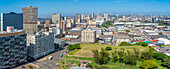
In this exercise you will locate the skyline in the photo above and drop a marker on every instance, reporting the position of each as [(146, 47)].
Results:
[(71, 7)]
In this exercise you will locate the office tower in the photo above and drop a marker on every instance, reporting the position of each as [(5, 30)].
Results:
[(106, 16), (40, 44), (65, 18), (154, 20), (88, 36), (56, 18), (56, 30), (62, 26), (30, 16), (83, 16), (13, 50), (11, 19), (98, 14), (88, 16), (92, 15), (78, 17)]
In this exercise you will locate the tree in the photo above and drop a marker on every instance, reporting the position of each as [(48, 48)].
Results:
[(149, 64), (166, 63), (147, 55), (130, 58), (101, 57), (136, 52), (127, 31), (115, 56), (159, 56), (75, 46), (30, 66), (104, 56), (124, 44), (108, 48), (96, 55), (142, 44)]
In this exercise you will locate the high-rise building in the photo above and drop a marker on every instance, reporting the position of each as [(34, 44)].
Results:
[(98, 14), (56, 18), (78, 17), (88, 36), (106, 16), (62, 26), (88, 16), (92, 15), (40, 44), (83, 16), (11, 19), (13, 50), (30, 16), (154, 20)]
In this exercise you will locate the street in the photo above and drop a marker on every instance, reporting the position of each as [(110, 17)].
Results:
[(50, 64)]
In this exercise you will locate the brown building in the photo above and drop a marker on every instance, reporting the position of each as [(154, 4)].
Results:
[(62, 26), (48, 21), (30, 16)]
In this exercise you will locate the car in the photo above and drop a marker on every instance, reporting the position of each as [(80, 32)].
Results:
[(167, 49), (50, 57)]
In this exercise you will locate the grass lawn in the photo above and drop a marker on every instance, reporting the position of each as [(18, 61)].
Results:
[(86, 49), (85, 53), (74, 51)]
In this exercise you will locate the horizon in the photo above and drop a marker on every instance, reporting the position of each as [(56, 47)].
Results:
[(71, 7)]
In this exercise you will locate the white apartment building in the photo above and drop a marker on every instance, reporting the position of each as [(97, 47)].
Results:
[(40, 44)]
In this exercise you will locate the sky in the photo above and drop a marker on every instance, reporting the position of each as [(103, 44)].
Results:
[(71, 7)]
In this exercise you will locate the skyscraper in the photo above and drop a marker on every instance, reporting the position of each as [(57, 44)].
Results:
[(11, 19), (82, 16), (62, 26), (56, 18), (98, 14), (106, 16), (92, 15), (30, 16), (78, 17)]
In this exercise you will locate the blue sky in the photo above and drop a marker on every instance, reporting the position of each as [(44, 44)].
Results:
[(71, 7)]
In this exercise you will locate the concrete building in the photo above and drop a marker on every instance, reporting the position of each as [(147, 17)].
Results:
[(30, 16), (11, 19), (88, 36), (56, 18), (98, 14), (56, 30), (106, 16), (83, 16), (59, 43), (62, 26), (40, 44), (76, 31), (92, 15), (100, 21), (13, 50), (48, 21), (78, 17)]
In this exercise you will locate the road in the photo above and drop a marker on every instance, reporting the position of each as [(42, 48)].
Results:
[(115, 36), (143, 35), (50, 64)]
